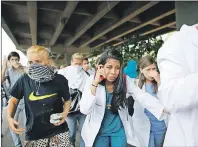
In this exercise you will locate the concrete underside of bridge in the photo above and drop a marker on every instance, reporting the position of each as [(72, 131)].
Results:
[(67, 27)]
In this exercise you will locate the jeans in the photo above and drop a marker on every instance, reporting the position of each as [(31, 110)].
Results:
[(72, 120), (110, 141), (1, 113), (157, 131), (20, 109), (156, 138)]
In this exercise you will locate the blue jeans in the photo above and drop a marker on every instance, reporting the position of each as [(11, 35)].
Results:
[(1, 113), (157, 131), (110, 141), (20, 109), (156, 138), (72, 120)]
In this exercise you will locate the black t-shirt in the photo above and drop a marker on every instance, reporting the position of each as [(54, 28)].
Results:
[(40, 105)]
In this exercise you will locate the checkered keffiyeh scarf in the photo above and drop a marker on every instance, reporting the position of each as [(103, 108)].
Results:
[(41, 73)]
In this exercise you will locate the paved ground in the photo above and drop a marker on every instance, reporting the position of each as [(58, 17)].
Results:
[(6, 140)]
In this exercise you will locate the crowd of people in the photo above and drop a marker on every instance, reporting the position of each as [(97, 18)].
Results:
[(110, 105)]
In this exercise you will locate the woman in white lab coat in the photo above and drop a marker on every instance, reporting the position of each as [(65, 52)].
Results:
[(149, 80), (178, 65), (104, 103)]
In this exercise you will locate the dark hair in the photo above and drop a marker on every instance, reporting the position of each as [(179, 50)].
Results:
[(13, 54), (85, 59), (119, 89)]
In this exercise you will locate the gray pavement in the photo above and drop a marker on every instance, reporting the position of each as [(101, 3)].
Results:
[(6, 140)]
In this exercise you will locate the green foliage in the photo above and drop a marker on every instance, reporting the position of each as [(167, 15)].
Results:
[(92, 63), (135, 47)]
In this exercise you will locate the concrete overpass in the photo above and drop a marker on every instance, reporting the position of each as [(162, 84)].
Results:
[(77, 26)]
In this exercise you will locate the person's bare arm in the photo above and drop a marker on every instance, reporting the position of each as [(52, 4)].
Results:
[(12, 104), (13, 124), (66, 108), (100, 72), (67, 105), (3, 72)]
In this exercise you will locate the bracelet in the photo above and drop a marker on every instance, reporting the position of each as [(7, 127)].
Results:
[(94, 85)]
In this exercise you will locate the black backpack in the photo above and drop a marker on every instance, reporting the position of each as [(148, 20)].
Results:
[(75, 99), (130, 102)]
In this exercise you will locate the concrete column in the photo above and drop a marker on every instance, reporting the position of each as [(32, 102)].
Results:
[(186, 13), (68, 58)]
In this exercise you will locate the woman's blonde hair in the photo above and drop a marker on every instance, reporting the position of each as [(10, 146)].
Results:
[(144, 62), (38, 49), (43, 52)]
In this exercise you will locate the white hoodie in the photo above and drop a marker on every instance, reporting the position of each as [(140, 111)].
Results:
[(178, 64), (75, 75)]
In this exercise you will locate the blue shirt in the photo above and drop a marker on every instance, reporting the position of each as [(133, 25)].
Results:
[(111, 124), (156, 125)]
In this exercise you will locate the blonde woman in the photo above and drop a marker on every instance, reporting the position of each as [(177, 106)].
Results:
[(44, 91)]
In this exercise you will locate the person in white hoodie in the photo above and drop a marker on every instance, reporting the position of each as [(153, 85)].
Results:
[(104, 103), (178, 64), (76, 77)]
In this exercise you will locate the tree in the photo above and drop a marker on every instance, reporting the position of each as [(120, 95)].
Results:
[(134, 47)]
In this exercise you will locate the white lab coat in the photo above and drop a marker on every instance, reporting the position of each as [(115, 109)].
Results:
[(141, 122), (94, 108), (178, 64)]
